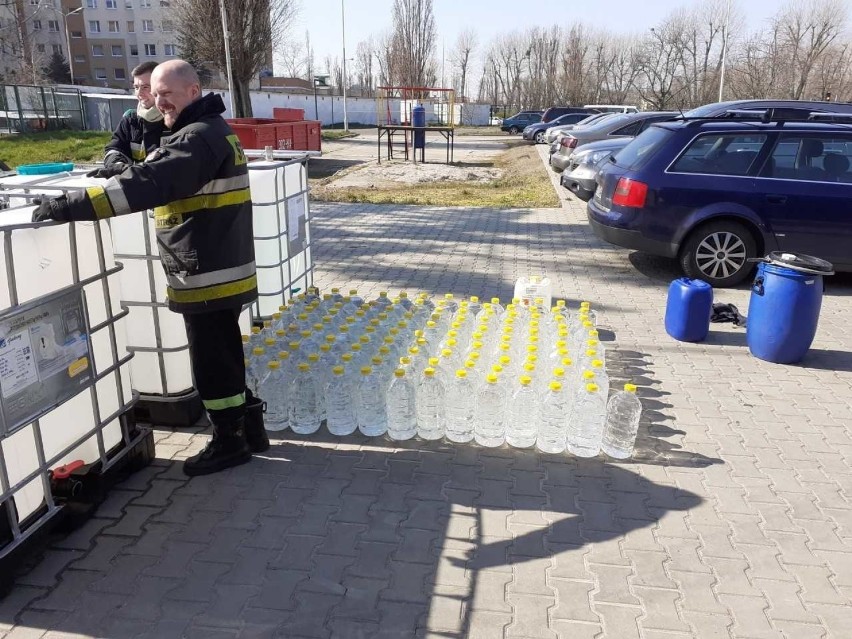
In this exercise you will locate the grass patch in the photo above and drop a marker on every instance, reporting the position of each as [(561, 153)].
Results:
[(524, 184), (337, 134), (479, 130), (53, 146)]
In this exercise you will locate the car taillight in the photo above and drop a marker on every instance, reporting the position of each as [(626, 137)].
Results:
[(630, 193)]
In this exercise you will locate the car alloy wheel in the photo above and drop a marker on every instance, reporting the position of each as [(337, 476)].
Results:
[(514, 130), (539, 137), (719, 253)]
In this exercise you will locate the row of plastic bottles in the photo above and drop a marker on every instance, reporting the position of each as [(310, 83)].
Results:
[(514, 361)]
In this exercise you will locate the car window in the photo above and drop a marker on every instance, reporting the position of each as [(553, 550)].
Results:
[(812, 157), (631, 129), (720, 154), (641, 148)]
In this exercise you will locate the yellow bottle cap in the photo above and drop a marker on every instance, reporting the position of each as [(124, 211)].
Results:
[(559, 372), (525, 380), (461, 373), (255, 330), (399, 373), (376, 360), (245, 338), (495, 300), (497, 368), (588, 375), (346, 357), (433, 361), (366, 370), (313, 358), (592, 388), (505, 360), (491, 378), (273, 365), (555, 386), (429, 372), (269, 341), (630, 388), (283, 355), (303, 367)]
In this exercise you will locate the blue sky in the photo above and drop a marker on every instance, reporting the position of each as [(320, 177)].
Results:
[(492, 17)]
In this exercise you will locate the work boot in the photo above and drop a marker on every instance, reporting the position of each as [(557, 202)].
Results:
[(227, 448), (256, 436)]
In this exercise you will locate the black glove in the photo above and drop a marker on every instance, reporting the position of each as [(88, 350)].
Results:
[(108, 171), (52, 210)]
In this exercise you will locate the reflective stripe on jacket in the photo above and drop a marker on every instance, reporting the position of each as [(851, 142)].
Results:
[(197, 183)]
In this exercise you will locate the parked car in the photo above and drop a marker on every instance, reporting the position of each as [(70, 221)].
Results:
[(619, 125), (579, 176), (536, 132), (612, 108), (555, 133), (520, 121), (786, 109), (554, 112), (716, 193)]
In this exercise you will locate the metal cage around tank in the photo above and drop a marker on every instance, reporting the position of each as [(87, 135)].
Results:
[(44, 266), (160, 370)]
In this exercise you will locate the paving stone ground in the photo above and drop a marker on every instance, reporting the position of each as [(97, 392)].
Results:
[(733, 520)]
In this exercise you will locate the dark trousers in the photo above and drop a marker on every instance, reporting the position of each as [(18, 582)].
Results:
[(216, 354)]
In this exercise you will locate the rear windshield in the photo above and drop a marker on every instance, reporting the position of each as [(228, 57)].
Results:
[(635, 154)]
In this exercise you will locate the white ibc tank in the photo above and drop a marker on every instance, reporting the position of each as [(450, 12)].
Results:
[(282, 232), (38, 261)]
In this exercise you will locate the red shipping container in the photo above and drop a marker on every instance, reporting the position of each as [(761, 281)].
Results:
[(255, 133), (314, 135), (286, 114), (300, 136), (284, 137)]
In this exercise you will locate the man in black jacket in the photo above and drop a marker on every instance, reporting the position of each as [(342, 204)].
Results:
[(139, 132), (197, 183)]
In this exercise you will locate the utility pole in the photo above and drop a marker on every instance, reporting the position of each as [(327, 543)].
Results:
[(724, 50), (343, 30), (227, 35)]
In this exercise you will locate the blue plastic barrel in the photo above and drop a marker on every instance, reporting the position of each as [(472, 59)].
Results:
[(688, 309), (418, 119), (783, 311)]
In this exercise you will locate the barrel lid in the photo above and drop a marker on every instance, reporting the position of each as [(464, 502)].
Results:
[(800, 262)]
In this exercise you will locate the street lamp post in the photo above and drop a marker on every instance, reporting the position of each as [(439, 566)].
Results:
[(724, 50), (343, 31), (68, 40), (226, 35)]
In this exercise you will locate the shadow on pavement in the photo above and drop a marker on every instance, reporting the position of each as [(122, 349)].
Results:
[(827, 360)]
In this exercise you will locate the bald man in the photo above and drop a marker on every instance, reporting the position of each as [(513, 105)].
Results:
[(197, 183)]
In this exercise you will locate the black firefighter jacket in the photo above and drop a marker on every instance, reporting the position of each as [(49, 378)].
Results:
[(132, 140), (198, 185)]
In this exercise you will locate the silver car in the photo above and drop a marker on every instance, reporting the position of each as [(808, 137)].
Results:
[(619, 125), (554, 131)]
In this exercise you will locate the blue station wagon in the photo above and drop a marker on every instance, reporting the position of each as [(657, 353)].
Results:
[(716, 193)]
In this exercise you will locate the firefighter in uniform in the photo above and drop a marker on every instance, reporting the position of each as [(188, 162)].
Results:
[(139, 132), (197, 183)]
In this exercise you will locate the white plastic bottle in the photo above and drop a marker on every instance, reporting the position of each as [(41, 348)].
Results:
[(431, 406), (586, 422), (460, 408), (523, 418), (273, 390), (401, 407), (370, 404), (304, 402), (340, 401), (256, 369), (552, 420), (489, 427), (624, 410)]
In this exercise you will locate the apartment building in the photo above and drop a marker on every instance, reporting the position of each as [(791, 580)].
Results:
[(105, 38), (121, 34), (30, 32)]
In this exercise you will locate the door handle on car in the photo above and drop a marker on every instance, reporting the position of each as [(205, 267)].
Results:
[(776, 199)]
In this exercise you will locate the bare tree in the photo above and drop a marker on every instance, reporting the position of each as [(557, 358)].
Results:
[(413, 42), (660, 79), (253, 25), (461, 57), (808, 30), (364, 55)]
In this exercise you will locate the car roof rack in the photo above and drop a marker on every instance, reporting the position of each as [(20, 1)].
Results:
[(779, 115)]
